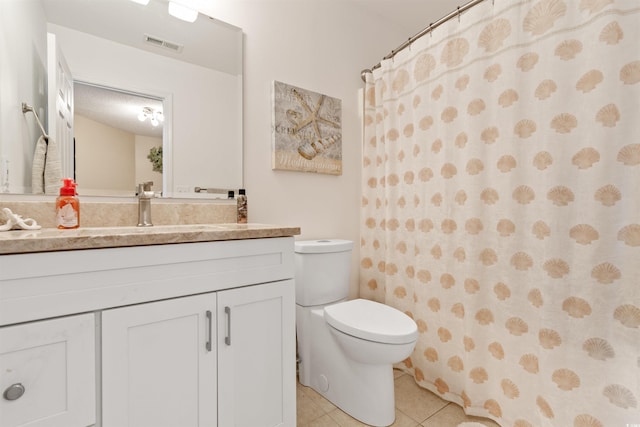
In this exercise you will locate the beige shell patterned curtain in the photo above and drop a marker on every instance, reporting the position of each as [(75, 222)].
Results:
[(501, 209)]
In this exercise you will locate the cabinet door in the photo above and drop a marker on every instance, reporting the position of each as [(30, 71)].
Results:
[(47, 373), (256, 356), (159, 364)]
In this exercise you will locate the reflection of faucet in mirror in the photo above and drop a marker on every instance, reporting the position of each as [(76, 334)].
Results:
[(144, 204)]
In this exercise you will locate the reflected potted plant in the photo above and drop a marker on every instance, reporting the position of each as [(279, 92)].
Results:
[(155, 156)]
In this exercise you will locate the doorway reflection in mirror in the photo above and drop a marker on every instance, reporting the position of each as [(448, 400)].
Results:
[(112, 144)]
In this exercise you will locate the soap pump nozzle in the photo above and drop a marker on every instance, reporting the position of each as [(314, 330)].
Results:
[(68, 187)]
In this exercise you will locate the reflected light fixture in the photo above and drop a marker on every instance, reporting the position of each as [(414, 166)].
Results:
[(155, 117), (182, 12), (142, 2)]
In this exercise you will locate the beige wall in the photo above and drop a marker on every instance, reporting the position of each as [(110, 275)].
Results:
[(319, 45), (112, 159), (107, 154)]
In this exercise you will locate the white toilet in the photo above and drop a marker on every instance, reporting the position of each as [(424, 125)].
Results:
[(346, 348)]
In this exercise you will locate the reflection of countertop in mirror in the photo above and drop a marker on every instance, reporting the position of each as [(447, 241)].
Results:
[(52, 239)]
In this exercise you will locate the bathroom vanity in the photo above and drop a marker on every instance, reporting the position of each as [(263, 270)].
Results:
[(159, 326)]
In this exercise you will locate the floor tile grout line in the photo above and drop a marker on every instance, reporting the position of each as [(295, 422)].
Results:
[(436, 413)]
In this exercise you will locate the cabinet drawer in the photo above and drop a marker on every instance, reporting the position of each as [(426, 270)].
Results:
[(66, 283), (47, 373)]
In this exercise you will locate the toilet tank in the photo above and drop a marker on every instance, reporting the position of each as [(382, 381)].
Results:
[(322, 271)]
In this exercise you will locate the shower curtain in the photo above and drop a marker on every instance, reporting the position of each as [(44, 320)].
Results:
[(501, 209)]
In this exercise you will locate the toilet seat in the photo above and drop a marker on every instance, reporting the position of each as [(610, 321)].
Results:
[(372, 321)]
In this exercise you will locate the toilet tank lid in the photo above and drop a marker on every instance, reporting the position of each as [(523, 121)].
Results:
[(323, 246)]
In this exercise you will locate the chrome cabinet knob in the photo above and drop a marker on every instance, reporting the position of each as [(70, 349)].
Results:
[(14, 392)]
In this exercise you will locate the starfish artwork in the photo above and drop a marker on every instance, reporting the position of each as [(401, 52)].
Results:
[(307, 130)]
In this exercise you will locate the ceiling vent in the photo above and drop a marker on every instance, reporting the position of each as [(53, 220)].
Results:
[(156, 41)]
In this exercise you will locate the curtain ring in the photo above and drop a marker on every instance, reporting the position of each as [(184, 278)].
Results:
[(458, 14), (430, 30)]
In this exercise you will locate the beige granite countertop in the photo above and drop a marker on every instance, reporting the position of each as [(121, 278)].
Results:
[(53, 239)]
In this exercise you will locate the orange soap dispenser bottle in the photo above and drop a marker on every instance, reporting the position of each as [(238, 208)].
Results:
[(68, 206)]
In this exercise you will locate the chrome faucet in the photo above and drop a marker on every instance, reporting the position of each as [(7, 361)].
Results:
[(144, 204)]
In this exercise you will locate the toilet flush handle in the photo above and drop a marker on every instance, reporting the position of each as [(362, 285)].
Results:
[(227, 338)]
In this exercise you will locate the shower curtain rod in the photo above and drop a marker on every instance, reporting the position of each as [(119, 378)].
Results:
[(427, 30)]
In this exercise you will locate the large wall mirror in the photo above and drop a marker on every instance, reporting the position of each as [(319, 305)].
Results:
[(155, 98)]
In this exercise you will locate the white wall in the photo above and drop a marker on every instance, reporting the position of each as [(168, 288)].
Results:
[(23, 52), (319, 45)]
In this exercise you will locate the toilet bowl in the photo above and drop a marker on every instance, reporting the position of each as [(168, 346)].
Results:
[(346, 348), (369, 332)]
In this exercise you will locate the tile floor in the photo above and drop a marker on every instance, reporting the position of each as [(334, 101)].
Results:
[(415, 407)]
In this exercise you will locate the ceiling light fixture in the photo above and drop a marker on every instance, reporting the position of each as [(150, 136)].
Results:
[(155, 117), (142, 2), (182, 12)]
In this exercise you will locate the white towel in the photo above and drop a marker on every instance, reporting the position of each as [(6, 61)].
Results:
[(37, 168), (46, 171), (52, 168)]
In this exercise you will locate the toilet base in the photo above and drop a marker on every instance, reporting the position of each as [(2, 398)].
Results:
[(364, 391)]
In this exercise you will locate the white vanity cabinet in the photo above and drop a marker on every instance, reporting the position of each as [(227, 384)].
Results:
[(158, 365), (255, 350), (186, 334)]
